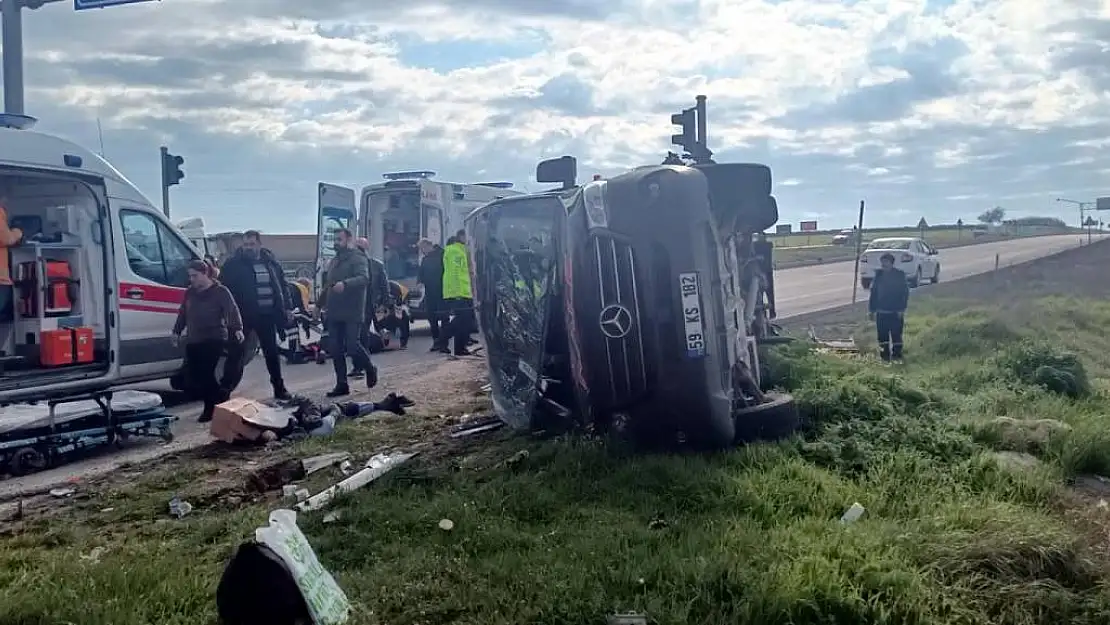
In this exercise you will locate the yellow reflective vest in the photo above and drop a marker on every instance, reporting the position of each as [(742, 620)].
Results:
[(456, 273)]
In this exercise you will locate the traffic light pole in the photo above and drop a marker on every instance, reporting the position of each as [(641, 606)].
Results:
[(11, 44), (165, 183)]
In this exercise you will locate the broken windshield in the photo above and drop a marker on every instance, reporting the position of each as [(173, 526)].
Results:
[(515, 254)]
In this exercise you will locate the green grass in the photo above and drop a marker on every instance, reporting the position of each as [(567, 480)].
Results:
[(576, 531)]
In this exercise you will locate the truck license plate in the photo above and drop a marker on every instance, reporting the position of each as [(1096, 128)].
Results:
[(690, 287)]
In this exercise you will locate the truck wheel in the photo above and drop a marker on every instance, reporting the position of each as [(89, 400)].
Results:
[(915, 281), (936, 275), (774, 419), (865, 283)]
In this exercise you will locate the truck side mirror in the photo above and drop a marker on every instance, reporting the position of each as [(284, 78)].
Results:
[(562, 170)]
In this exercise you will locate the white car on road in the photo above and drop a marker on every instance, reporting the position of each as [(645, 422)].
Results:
[(915, 257)]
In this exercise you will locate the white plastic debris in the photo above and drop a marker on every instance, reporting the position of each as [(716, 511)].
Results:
[(853, 514), (446, 525), (62, 492), (180, 508), (376, 467)]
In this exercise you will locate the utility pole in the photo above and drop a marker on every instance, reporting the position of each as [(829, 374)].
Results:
[(11, 12), (11, 46), (1083, 208)]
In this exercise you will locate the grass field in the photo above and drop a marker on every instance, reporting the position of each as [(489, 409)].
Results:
[(570, 531)]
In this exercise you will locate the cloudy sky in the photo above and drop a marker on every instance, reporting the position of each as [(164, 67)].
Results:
[(935, 108)]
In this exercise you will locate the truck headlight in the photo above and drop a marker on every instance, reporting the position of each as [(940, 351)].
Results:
[(593, 195)]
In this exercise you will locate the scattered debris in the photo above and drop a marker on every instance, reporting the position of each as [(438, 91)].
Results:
[(847, 346), (318, 463), (470, 429), (658, 523), (332, 517), (446, 525), (853, 514), (277, 578), (629, 618), (277, 475), (376, 467), (346, 468), (301, 494), (106, 510), (179, 508), (62, 493)]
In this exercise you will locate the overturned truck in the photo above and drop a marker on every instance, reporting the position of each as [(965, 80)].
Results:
[(632, 306)]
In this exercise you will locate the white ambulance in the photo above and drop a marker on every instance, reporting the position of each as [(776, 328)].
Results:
[(98, 275), (411, 205)]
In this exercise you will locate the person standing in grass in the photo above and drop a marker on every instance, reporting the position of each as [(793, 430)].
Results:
[(890, 296)]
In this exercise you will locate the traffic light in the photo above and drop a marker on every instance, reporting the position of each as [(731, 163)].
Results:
[(171, 169), (688, 138), (692, 138)]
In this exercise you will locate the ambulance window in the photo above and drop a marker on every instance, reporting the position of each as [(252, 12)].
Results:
[(154, 251)]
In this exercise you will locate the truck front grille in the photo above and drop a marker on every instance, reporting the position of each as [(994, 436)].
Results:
[(620, 320)]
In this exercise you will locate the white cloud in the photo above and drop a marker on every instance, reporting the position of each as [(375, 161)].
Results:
[(935, 107)]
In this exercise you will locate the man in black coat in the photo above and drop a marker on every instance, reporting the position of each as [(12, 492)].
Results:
[(431, 276), (890, 296), (257, 283)]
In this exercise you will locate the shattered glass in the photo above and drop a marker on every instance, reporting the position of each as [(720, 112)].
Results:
[(514, 252)]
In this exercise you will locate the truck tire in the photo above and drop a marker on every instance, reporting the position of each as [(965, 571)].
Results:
[(774, 419), (915, 281), (936, 275)]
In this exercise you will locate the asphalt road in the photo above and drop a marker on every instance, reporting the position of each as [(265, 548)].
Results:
[(818, 287), (799, 291)]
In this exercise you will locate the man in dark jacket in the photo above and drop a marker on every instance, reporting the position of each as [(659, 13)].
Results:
[(890, 296), (257, 283), (344, 300), (377, 295), (431, 276)]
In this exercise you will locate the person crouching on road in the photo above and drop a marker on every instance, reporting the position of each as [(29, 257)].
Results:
[(344, 301), (394, 316), (890, 296), (209, 317)]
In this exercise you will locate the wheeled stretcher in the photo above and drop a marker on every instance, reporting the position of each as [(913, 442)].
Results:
[(38, 436)]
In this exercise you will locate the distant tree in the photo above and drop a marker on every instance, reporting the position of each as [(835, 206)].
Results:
[(1044, 222), (993, 216)]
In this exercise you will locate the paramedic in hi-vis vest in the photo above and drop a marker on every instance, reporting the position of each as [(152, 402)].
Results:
[(457, 296), (9, 237)]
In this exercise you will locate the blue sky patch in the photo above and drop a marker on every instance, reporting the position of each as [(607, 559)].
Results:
[(448, 56)]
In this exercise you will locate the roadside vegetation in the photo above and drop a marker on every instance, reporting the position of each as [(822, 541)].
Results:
[(973, 461)]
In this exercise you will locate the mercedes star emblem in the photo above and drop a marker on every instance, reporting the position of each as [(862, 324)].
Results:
[(616, 321)]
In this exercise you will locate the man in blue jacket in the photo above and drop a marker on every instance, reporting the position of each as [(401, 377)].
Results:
[(890, 296)]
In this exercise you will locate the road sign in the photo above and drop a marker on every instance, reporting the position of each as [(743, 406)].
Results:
[(808, 226), (1102, 204), (82, 5), (784, 229), (921, 225)]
